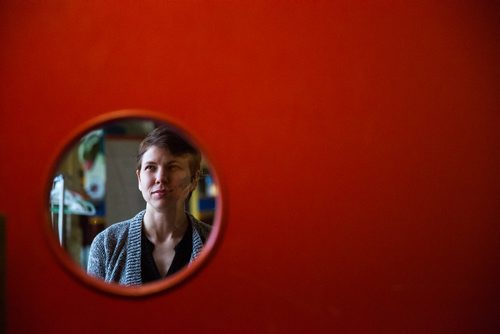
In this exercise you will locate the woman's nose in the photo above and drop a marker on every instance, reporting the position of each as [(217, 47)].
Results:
[(161, 176)]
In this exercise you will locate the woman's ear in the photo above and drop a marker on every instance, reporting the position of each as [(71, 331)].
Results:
[(195, 179)]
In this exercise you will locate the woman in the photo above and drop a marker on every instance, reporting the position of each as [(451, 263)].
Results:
[(164, 238)]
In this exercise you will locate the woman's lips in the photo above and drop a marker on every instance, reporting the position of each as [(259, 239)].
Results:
[(159, 193)]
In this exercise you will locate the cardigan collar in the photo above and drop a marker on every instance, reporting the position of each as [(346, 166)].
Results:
[(133, 265)]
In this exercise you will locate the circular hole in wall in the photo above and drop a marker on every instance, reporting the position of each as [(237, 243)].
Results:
[(134, 204)]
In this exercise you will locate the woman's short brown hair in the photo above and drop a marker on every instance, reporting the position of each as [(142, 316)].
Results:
[(167, 139)]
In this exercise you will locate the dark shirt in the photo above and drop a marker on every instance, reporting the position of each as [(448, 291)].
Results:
[(183, 251)]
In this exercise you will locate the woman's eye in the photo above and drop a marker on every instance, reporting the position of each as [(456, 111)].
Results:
[(149, 168)]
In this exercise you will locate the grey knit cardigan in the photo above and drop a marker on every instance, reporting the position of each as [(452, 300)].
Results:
[(115, 253)]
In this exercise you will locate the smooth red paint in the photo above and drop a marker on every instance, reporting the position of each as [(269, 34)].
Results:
[(357, 143)]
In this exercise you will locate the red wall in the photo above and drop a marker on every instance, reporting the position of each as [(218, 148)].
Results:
[(357, 144)]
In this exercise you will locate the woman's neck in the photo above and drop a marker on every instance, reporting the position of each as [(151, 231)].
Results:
[(162, 225)]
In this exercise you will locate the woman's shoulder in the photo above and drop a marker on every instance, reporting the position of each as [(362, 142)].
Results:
[(121, 229), (202, 228)]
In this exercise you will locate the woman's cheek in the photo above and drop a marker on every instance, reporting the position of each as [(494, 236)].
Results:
[(186, 182)]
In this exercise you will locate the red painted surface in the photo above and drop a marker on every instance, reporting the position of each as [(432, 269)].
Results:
[(357, 143)]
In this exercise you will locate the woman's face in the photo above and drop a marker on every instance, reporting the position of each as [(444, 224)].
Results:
[(165, 180)]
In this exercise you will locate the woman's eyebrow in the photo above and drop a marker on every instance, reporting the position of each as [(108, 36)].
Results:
[(173, 161)]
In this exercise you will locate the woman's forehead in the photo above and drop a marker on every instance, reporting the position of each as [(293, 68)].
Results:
[(157, 154)]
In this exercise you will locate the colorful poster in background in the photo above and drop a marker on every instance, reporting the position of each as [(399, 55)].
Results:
[(93, 163)]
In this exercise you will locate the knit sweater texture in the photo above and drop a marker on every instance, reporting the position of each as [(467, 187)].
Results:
[(115, 253)]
